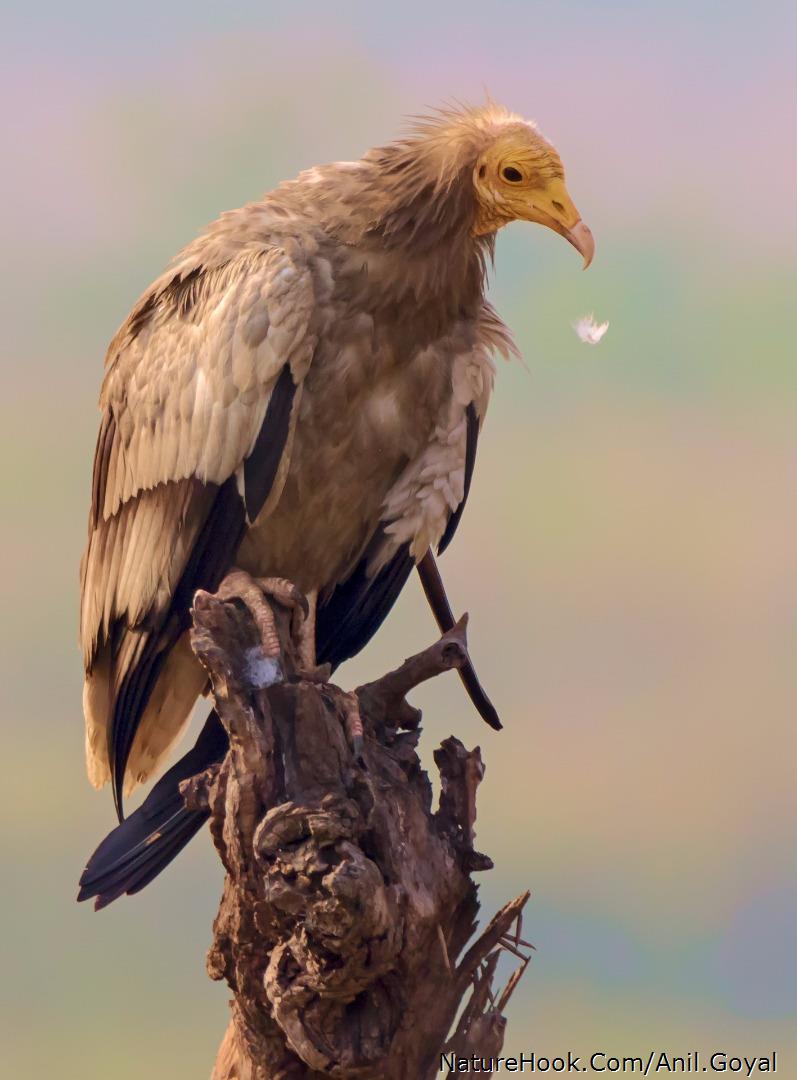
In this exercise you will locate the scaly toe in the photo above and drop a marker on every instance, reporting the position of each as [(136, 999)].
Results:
[(285, 593)]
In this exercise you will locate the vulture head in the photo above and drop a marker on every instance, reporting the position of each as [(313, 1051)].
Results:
[(518, 176), (466, 172)]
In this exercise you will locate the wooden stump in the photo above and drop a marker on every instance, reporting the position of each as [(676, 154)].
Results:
[(348, 901)]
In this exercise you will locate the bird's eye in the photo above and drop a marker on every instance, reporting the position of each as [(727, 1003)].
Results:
[(514, 176)]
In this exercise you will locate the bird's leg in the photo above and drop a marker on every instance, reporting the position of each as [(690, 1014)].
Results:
[(354, 722), (304, 631), (305, 637), (252, 592)]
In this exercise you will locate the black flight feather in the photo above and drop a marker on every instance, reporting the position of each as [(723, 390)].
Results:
[(348, 619), (261, 466)]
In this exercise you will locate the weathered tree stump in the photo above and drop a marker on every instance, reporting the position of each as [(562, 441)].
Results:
[(348, 902)]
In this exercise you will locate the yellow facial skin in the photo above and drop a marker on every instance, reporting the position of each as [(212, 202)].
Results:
[(520, 178)]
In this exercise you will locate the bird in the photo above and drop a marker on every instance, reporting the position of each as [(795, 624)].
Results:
[(297, 398)]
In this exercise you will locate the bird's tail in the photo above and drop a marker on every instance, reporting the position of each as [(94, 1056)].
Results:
[(145, 843)]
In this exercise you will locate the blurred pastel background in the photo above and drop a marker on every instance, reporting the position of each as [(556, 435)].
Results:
[(629, 554)]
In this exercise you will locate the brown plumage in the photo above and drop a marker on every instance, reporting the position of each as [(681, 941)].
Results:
[(299, 395)]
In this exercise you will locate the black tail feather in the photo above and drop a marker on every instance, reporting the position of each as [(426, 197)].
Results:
[(352, 614), (145, 843)]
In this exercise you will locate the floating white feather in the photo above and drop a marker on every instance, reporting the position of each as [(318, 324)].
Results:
[(588, 330)]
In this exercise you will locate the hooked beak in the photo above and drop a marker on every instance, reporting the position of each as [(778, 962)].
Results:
[(553, 207)]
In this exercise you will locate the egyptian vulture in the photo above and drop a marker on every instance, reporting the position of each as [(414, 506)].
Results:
[(299, 396)]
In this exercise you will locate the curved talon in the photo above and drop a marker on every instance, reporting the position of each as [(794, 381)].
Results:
[(303, 603), (252, 592), (319, 673)]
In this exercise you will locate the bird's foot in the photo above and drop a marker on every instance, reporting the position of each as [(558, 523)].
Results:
[(253, 593)]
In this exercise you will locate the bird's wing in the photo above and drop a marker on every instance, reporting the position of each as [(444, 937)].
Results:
[(199, 403), (424, 506)]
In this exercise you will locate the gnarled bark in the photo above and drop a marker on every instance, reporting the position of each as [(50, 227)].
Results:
[(348, 900)]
